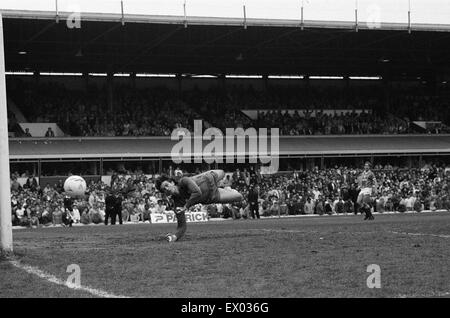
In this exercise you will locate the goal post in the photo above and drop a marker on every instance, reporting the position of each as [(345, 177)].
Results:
[(6, 246)]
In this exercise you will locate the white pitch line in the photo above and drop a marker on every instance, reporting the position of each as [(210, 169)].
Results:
[(55, 280), (278, 231), (421, 234), (444, 294), (282, 231)]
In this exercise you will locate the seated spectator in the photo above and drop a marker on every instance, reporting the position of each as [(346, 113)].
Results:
[(219, 208), (85, 217), (95, 214), (46, 216), (283, 205), (235, 211), (380, 204), (244, 210), (161, 206), (34, 219), (57, 216), (402, 205), (418, 206), (146, 214), (274, 208), (328, 206), (135, 217), (67, 218), (212, 210), (320, 206), (76, 214), (309, 206)]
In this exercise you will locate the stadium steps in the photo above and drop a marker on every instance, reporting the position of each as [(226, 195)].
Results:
[(419, 129), (12, 107), (15, 130)]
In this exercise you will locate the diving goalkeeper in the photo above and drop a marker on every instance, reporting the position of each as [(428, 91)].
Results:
[(189, 191)]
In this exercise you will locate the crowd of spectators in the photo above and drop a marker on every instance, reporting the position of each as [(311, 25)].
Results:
[(320, 123), (413, 106), (33, 205), (132, 112), (158, 110), (316, 191), (334, 190)]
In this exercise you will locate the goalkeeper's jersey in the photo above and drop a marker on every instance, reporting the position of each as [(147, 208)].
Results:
[(367, 179), (201, 188)]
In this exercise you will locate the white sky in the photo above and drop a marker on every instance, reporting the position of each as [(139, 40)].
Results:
[(422, 11)]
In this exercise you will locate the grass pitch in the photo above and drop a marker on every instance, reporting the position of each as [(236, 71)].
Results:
[(320, 256)]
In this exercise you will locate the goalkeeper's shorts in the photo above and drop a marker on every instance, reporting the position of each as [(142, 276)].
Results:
[(363, 193), (366, 191)]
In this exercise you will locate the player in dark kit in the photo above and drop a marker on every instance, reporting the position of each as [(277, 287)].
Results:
[(189, 191)]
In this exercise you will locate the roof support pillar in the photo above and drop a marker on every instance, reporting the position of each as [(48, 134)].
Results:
[(86, 80), (180, 83), (222, 81), (266, 81), (110, 90)]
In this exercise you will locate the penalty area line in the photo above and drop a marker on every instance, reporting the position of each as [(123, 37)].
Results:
[(55, 280)]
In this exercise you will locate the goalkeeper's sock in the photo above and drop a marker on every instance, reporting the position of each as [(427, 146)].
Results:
[(171, 237)]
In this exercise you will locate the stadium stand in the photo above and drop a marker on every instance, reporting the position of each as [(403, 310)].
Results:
[(154, 112), (405, 114), (157, 111)]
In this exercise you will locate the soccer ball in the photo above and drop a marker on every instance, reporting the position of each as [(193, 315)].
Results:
[(75, 186)]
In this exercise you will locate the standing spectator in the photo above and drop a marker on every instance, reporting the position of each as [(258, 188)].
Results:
[(118, 207), (49, 132), (253, 197), (31, 183), (110, 204), (15, 185), (27, 133)]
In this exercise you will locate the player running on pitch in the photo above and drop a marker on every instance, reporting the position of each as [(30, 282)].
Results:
[(367, 185), (189, 191)]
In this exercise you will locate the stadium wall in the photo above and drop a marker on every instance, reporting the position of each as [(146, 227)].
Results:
[(161, 147)]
